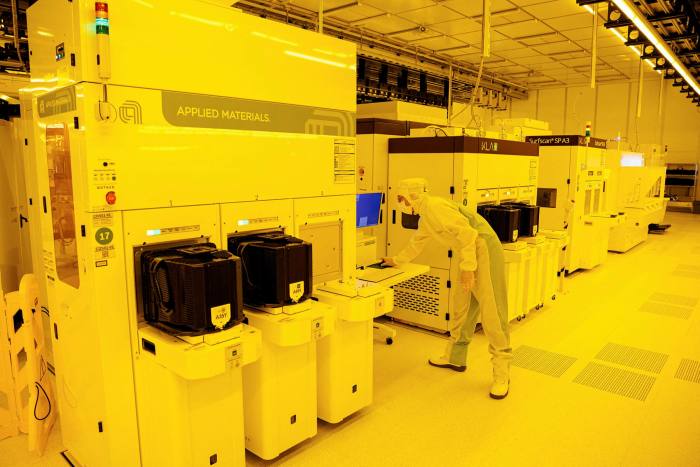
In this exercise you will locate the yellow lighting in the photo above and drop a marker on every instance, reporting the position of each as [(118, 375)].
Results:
[(651, 34)]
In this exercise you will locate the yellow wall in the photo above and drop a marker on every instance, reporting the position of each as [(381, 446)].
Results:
[(612, 109)]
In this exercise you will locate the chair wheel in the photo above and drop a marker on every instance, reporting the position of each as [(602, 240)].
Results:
[(519, 318), (389, 341), (554, 297)]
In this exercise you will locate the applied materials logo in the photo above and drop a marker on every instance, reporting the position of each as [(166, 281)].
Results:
[(131, 112)]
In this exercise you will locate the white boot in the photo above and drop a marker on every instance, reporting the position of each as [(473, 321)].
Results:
[(443, 362), (501, 379)]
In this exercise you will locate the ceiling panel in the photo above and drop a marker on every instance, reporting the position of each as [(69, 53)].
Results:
[(506, 45), (459, 26), (516, 54), (390, 24), (355, 13), (565, 23), (603, 41), (554, 9), (475, 37), (557, 47), (415, 35), (510, 69), (518, 16), (529, 2), (524, 29), (431, 15), (473, 8), (534, 60), (397, 6), (441, 42), (578, 33)]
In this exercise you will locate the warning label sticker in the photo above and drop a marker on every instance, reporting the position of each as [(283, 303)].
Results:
[(104, 252), (103, 219)]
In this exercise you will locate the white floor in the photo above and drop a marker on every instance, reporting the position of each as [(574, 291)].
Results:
[(427, 416)]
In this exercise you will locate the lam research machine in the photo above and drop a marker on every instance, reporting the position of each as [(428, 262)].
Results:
[(166, 193), (571, 194), (468, 170)]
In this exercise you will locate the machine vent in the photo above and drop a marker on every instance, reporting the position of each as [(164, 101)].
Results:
[(632, 357), (616, 381), (689, 370), (416, 302), (542, 361), (423, 283)]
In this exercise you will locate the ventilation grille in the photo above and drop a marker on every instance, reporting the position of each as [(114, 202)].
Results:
[(674, 299), (616, 381), (689, 370), (687, 270), (416, 302), (542, 361), (424, 283), (632, 357), (665, 309)]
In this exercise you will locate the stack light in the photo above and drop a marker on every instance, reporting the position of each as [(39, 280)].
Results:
[(101, 18)]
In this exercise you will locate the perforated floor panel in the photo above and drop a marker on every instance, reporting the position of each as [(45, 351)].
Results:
[(616, 381), (633, 357), (687, 270), (541, 361), (665, 309), (680, 300), (689, 370)]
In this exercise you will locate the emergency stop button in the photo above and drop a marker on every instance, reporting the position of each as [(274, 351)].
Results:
[(111, 197)]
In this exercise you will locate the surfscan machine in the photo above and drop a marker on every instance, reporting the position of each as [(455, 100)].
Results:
[(572, 193), (159, 180)]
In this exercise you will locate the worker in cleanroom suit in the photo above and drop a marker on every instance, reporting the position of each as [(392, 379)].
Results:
[(483, 284)]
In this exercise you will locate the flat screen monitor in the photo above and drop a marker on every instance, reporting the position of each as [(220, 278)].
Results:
[(368, 209)]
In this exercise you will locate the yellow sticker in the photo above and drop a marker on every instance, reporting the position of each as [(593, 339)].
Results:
[(220, 315), (296, 291)]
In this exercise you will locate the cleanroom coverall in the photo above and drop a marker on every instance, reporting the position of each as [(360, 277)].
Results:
[(479, 250)]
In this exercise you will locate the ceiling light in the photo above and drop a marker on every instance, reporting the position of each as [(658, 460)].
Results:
[(633, 34), (653, 36), (615, 15)]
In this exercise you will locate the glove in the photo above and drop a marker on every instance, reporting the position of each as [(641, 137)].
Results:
[(389, 262), (468, 280)]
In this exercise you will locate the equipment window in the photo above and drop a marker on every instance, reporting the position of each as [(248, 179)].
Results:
[(62, 208)]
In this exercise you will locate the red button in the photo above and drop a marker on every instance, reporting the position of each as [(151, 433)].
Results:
[(111, 197)]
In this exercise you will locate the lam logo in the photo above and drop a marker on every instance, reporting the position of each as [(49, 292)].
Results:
[(130, 112)]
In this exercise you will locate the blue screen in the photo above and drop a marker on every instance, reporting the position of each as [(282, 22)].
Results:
[(368, 208)]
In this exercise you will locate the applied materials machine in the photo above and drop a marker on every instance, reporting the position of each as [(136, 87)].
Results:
[(149, 175)]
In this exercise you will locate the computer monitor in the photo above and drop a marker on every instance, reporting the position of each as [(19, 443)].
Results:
[(368, 209)]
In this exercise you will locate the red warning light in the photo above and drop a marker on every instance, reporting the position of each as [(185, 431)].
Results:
[(111, 197)]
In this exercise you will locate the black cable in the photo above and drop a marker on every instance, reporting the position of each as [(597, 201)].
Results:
[(45, 311), (36, 403)]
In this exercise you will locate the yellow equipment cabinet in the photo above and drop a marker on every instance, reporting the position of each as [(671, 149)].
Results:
[(135, 150), (571, 196), (280, 389), (469, 171), (345, 358)]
